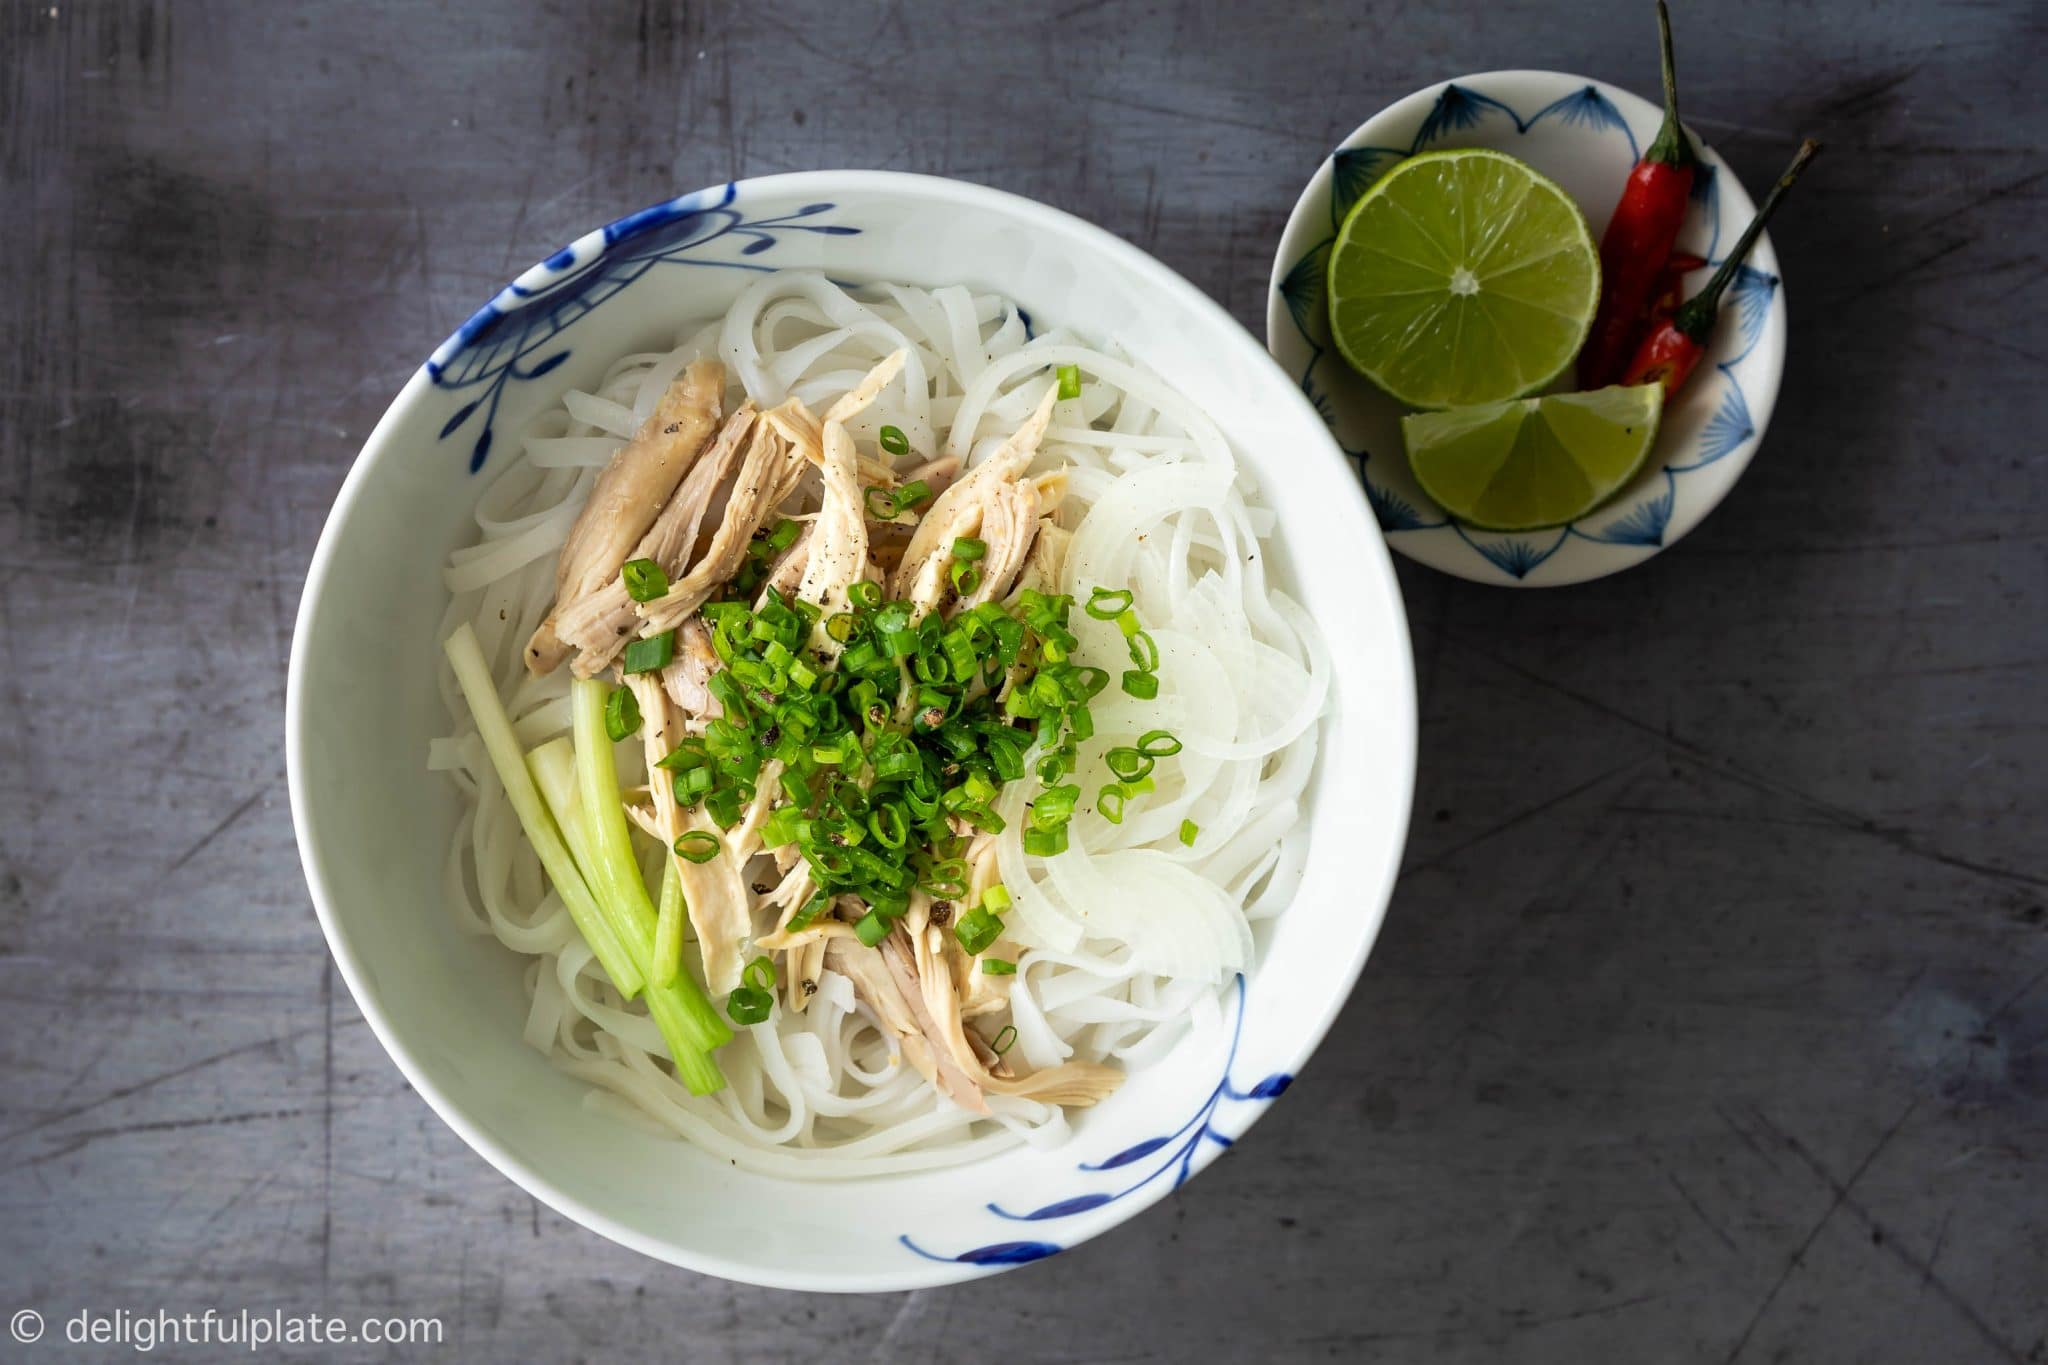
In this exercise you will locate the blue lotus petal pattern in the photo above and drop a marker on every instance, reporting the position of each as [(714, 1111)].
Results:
[(1729, 427), (494, 347), (1586, 109), (1395, 512), (1352, 173), (1181, 1148), (1644, 523), (1514, 557), (1750, 294)]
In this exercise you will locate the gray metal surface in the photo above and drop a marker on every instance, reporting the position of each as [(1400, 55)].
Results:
[(1711, 1018)]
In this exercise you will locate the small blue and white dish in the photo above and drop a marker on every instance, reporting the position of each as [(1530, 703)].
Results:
[(1585, 135)]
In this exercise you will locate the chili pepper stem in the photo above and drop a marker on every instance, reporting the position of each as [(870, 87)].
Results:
[(1672, 147), (1695, 317)]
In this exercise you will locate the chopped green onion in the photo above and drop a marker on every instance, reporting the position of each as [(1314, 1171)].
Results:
[(749, 1005), (1053, 808), (644, 579), (968, 547), (1044, 843), (879, 503), (911, 494), (1070, 381), (1143, 686), (651, 654), (783, 536), (723, 806), (1128, 763), (812, 908), (621, 714), (1188, 830), (760, 974), (697, 846), (977, 929), (1144, 653), (889, 826), (1109, 803), (894, 441), (1105, 605), (997, 966), (1005, 1040), (881, 807), (1158, 744), (685, 756)]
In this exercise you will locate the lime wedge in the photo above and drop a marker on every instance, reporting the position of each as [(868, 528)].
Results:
[(1462, 277), (1533, 462)]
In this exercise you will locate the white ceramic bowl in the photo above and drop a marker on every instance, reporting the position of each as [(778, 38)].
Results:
[(373, 824), (1585, 135)]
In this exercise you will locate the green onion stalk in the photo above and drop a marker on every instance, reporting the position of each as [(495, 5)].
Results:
[(473, 676)]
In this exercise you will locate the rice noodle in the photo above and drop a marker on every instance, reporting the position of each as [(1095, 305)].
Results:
[(1130, 935)]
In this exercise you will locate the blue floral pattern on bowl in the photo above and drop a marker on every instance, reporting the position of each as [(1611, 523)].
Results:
[(1183, 1149), (1575, 130), (497, 346)]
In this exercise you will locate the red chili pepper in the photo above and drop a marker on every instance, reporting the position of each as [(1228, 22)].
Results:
[(1673, 348), (1670, 290), (1640, 235)]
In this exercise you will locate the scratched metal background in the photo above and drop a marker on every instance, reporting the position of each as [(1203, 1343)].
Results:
[(1711, 1019)]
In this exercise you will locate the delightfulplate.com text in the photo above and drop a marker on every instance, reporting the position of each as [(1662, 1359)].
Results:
[(252, 1330)]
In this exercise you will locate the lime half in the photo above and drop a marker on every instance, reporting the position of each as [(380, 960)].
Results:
[(1462, 277), (1533, 462)]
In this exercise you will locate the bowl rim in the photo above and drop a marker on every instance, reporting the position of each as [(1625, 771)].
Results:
[(1375, 563), (1761, 397)]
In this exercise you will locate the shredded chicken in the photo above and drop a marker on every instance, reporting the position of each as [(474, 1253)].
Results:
[(801, 967), (719, 908), (900, 1007), (688, 676), (839, 537), (767, 477), (600, 622), (628, 495), (981, 993), (936, 475), (916, 958), (1009, 524), (1048, 557), (921, 577)]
